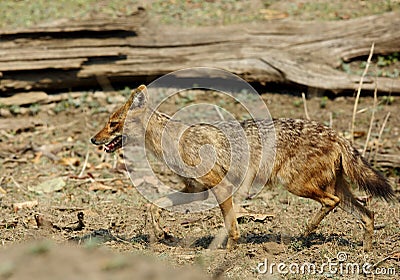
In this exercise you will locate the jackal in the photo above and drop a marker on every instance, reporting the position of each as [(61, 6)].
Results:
[(310, 160)]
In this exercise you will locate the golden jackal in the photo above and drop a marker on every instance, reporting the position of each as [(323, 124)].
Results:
[(311, 161)]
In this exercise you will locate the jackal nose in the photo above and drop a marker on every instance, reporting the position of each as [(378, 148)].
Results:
[(93, 140)]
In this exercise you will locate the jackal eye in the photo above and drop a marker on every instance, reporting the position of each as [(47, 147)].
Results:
[(113, 124)]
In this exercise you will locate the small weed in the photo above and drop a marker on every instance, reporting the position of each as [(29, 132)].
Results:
[(126, 92), (109, 100), (92, 243), (297, 245), (185, 99), (346, 67), (297, 103), (61, 106), (84, 97), (363, 64), (34, 109), (386, 66), (15, 109), (388, 100), (323, 102), (69, 103), (387, 60), (93, 104)]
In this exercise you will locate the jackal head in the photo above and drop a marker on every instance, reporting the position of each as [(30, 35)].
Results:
[(112, 135)]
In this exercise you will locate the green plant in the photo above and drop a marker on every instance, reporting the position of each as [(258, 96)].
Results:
[(346, 67), (61, 106), (323, 102), (15, 109), (297, 245), (126, 92), (34, 108), (388, 100), (297, 103), (387, 60)]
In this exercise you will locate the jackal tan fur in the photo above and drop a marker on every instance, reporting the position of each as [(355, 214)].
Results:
[(310, 160)]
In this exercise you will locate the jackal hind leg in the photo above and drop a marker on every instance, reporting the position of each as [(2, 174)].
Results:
[(352, 206), (367, 219), (173, 199), (328, 203)]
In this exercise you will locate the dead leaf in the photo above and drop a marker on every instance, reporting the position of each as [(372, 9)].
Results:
[(359, 134), (26, 204), (2, 191), (37, 157), (96, 186), (103, 165), (49, 186), (396, 256), (69, 161)]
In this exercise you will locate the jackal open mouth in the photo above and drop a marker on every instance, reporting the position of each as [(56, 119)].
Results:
[(115, 144)]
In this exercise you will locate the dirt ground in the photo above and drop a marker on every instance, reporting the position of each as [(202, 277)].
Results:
[(54, 144), (50, 174)]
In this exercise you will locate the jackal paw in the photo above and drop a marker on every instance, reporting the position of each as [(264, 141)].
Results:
[(308, 231), (158, 233), (162, 235), (231, 243)]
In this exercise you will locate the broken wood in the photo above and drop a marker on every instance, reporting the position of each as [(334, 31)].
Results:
[(71, 54), (387, 160)]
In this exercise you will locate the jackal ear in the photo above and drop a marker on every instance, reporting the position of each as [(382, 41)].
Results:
[(139, 97)]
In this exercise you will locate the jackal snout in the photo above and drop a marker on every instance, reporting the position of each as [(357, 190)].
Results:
[(112, 134), (95, 141)]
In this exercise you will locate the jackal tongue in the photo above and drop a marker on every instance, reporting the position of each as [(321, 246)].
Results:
[(109, 147), (113, 145)]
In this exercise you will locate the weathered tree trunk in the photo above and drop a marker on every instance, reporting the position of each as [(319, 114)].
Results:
[(76, 54)]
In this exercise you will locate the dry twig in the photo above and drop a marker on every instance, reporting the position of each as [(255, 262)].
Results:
[(84, 164), (371, 121), (303, 96), (381, 132), (359, 92)]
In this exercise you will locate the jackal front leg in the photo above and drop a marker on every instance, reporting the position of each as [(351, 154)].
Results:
[(153, 217), (225, 201)]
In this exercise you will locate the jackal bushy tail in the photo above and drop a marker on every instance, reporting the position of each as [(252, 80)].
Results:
[(360, 172)]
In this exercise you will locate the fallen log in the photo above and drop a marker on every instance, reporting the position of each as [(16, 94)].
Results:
[(75, 54)]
